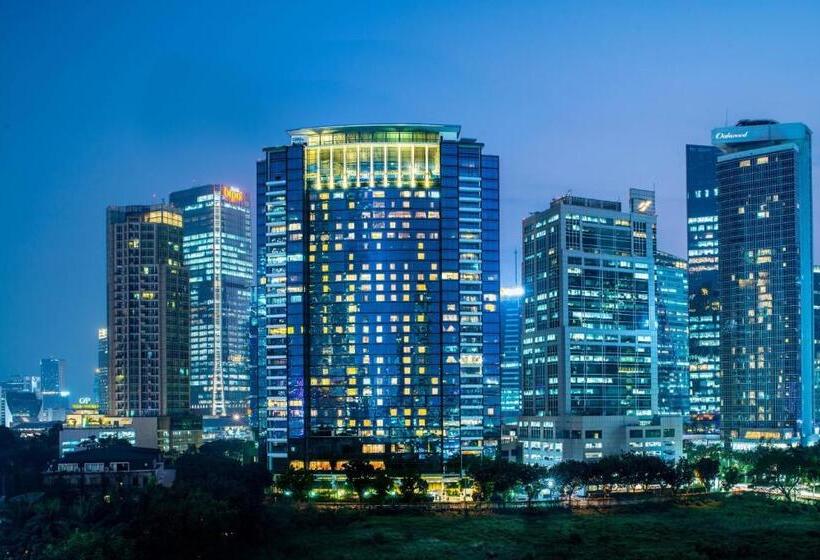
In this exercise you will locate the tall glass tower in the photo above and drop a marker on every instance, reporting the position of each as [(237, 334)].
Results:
[(52, 375), (672, 308), (704, 302), (101, 385), (381, 296), (816, 282), (511, 299), (217, 252), (589, 342), (766, 321), (148, 312)]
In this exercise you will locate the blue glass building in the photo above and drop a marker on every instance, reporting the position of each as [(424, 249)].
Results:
[(766, 321), (217, 254), (511, 299), (672, 308), (590, 361), (101, 385), (704, 301), (816, 281), (52, 383), (379, 277), (589, 342)]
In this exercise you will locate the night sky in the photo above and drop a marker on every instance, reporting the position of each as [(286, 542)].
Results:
[(112, 103)]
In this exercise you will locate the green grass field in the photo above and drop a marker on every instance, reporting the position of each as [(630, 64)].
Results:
[(735, 527)]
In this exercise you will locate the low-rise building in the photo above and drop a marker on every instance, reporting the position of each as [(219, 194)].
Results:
[(109, 467), (549, 440)]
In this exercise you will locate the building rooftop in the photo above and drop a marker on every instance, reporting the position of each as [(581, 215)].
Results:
[(117, 453), (442, 129), (571, 200)]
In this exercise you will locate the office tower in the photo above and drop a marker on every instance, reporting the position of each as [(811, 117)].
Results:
[(672, 309), (5, 413), (217, 252), (704, 302), (511, 299), (52, 382), (381, 292), (101, 385), (816, 282), (589, 346), (148, 312), (52, 374), (766, 319)]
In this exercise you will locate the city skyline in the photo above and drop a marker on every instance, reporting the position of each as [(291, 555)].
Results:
[(585, 142)]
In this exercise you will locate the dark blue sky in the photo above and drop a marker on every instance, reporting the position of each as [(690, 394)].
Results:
[(113, 103)]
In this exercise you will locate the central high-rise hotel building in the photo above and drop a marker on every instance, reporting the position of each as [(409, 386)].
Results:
[(379, 282), (765, 281)]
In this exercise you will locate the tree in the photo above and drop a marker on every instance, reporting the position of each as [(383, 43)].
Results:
[(569, 476), (784, 469), (382, 484), (109, 442), (533, 479), (494, 478), (243, 451), (730, 476), (678, 476), (223, 478), (297, 482), (360, 475), (707, 469), (412, 488)]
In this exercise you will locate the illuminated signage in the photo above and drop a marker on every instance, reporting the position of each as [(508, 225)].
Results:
[(232, 195), (731, 135)]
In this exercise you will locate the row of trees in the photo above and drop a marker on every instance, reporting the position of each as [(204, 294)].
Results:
[(784, 470), (781, 470), (368, 483)]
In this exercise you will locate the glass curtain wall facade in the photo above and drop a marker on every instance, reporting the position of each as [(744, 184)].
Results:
[(381, 295), (511, 299), (101, 372), (217, 255), (672, 307), (764, 215), (704, 301), (52, 382), (589, 340), (816, 281), (148, 314), (52, 374)]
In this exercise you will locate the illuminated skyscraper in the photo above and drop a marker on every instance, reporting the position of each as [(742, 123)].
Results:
[(816, 281), (511, 299), (217, 253), (590, 355), (379, 246), (101, 385), (52, 383), (672, 309), (147, 312), (766, 317), (52, 375), (704, 303)]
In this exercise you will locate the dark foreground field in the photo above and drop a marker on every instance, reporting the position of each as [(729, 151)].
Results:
[(734, 527)]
